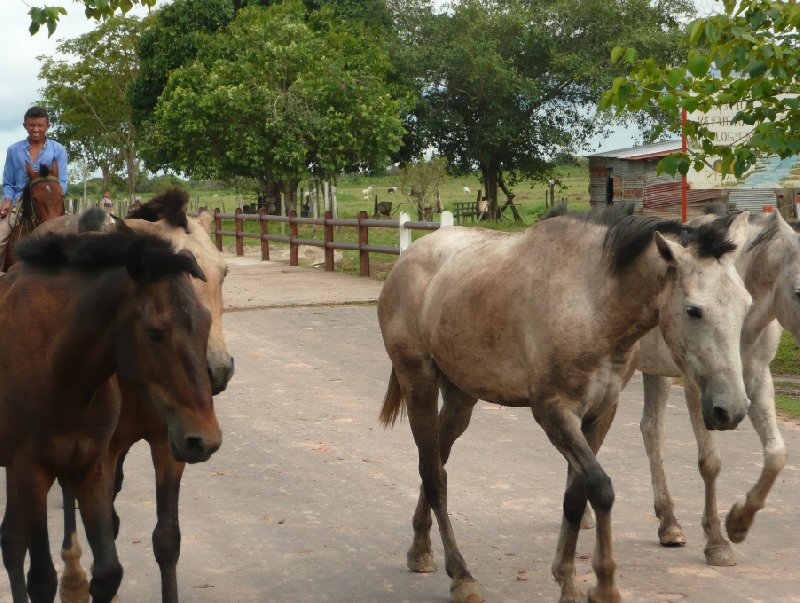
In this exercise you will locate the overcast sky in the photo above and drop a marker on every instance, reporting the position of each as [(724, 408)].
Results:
[(19, 68)]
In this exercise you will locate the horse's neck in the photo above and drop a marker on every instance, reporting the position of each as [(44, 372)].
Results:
[(632, 298), (90, 309)]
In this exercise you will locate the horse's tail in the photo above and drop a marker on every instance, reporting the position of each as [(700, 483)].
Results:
[(394, 405)]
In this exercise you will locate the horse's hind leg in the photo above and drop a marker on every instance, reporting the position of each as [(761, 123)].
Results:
[(419, 386), (167, 533), (12, 541), (656, 396), (762, 415), (74, 587), (717, 550), (454, 419)]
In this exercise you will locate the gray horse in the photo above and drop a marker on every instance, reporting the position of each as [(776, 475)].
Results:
[(770, 268), (568, 301)]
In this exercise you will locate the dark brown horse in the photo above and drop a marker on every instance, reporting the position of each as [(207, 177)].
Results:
[(76, 311), (164, 216), (41, 201)]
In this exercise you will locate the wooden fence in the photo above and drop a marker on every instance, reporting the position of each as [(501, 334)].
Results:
[(363, 223)]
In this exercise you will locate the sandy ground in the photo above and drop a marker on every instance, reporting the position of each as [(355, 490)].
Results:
[(309, 499)]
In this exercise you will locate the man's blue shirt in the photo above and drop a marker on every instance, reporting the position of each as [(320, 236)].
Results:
[(14, 175)]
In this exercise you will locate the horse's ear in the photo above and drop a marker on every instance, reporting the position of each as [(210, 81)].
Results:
[(737, 234), (782, 225), (54, 169), (671, 252), (205, 218), (120, 225), (190, 265), (29, 171)]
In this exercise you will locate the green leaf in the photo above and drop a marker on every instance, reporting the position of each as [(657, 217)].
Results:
[(630, 55), (698, 65), (616, 53), (675, 77)]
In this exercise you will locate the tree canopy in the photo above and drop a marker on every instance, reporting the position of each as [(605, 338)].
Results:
[(746, 58), (87, 94), (278, 93), (100, 10), (509, 85)]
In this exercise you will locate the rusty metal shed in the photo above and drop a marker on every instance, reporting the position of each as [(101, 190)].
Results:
[(630, 174)]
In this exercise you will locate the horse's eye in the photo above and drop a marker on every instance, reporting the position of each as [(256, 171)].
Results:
[(694, 312), (155, 335)]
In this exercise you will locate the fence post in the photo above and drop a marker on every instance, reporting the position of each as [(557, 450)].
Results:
[(446, 219), (239, 230), (328, 239), (293, 251), (363, 239), (405, 234), (217, 228), (264, 230)]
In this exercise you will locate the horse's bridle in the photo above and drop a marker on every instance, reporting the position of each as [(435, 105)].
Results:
[(33, 220)]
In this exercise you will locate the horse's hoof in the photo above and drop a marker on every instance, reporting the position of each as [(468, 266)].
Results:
[(608, 595), (465, 591), (737, 523), (74, 587), (572, 594), (422, 564), (587, 521), (720, 555), (671, 536)]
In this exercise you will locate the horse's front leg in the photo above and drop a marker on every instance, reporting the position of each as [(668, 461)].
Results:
[(167, 533), (12, 541), (586, 480), (74, 587), (762, 415), (32, 484), (94, 491), (656, 396), (717, 550)]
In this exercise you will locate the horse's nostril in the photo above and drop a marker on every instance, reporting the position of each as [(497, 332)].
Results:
[(721, 416)]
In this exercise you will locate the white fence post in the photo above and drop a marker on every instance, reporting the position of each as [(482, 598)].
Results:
[(446, 219), (405, 234)]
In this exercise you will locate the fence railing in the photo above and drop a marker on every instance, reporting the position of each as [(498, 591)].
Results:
[(363, 223)]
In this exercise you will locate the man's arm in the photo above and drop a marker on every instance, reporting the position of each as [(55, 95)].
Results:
[(63, 175), (9, 178)]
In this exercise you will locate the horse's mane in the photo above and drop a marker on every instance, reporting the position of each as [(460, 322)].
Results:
[(630, 236), (605, 216), (169, 205), (147, 257)]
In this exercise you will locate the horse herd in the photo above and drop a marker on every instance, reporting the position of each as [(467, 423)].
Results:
[(577, 303)]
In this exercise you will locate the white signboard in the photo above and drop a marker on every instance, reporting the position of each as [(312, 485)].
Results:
[(770, 172)]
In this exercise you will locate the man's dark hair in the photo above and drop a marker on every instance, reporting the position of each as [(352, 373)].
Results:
[(35, 112)]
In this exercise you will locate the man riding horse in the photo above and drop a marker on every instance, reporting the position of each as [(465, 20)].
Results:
[(28, 155)]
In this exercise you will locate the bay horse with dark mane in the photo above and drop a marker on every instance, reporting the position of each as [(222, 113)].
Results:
[(42, 200), (569, 302), (164, 216), (77, 313)]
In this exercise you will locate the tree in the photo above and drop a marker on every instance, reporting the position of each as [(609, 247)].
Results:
[(279, 93), (508, 85), (420, 182), (87, 93), (745, 58), (100, 10)]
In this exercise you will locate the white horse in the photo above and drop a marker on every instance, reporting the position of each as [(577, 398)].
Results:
[(770, 268), (562, 341)]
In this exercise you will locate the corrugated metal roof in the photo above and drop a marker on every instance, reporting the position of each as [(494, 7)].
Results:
[(656, 149)]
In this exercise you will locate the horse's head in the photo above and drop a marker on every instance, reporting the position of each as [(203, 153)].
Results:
[(702, 307), (772, 273), (161, 338), (42, 198), (165, 216)]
